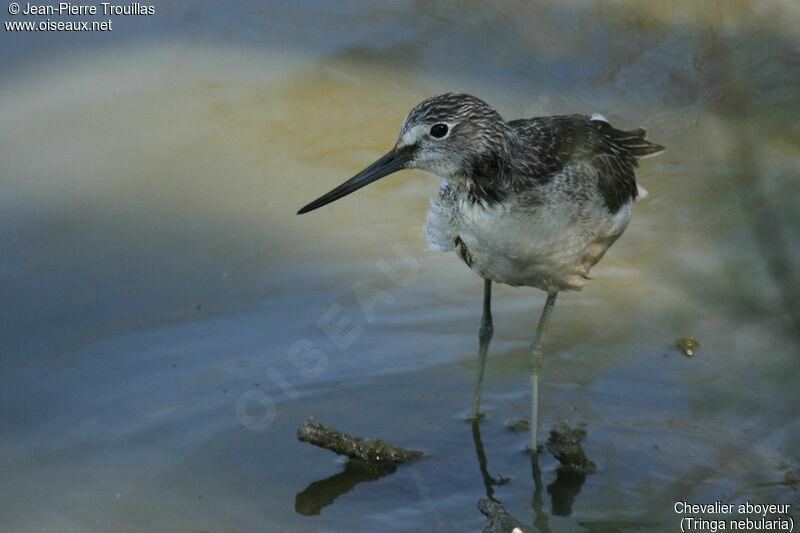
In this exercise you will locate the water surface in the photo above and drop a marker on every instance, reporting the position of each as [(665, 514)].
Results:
[(159, 294)]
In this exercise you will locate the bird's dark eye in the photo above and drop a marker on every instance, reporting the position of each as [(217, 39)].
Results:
[(439, 130)]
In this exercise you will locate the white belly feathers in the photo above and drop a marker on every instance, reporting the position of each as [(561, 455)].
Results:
[(550, 246)]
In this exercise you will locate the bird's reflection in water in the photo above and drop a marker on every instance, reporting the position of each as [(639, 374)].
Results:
[(488, 481), (320, 494), (540, 518), (562, 491)]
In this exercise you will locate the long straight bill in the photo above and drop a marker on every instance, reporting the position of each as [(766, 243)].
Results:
[(384, 166)]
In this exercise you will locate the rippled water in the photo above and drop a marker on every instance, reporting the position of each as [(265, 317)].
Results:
[(159, 294)]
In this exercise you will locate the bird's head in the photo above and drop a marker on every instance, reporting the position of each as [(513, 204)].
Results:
[(450, 135)]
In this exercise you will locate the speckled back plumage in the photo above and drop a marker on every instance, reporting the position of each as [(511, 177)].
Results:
[(551, 143), (501, 158)]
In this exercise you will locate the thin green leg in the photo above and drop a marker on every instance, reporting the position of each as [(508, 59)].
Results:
[(537, 361), (484, 336)]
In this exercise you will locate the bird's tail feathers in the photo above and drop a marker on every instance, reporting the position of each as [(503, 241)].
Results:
[(634, 141)]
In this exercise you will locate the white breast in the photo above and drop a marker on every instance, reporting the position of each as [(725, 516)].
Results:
[(551, 246)]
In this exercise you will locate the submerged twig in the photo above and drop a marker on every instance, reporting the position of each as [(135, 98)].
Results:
[(499, 520), (372, 451), (565, 445)]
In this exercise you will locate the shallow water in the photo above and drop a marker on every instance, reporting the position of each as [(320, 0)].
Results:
[(160, 297)]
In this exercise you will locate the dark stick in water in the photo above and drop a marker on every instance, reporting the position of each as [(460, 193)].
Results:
[(372, 451), (565, 445), (499, 520)]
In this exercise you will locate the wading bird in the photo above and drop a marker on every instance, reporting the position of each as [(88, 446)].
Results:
[(532, 202)]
